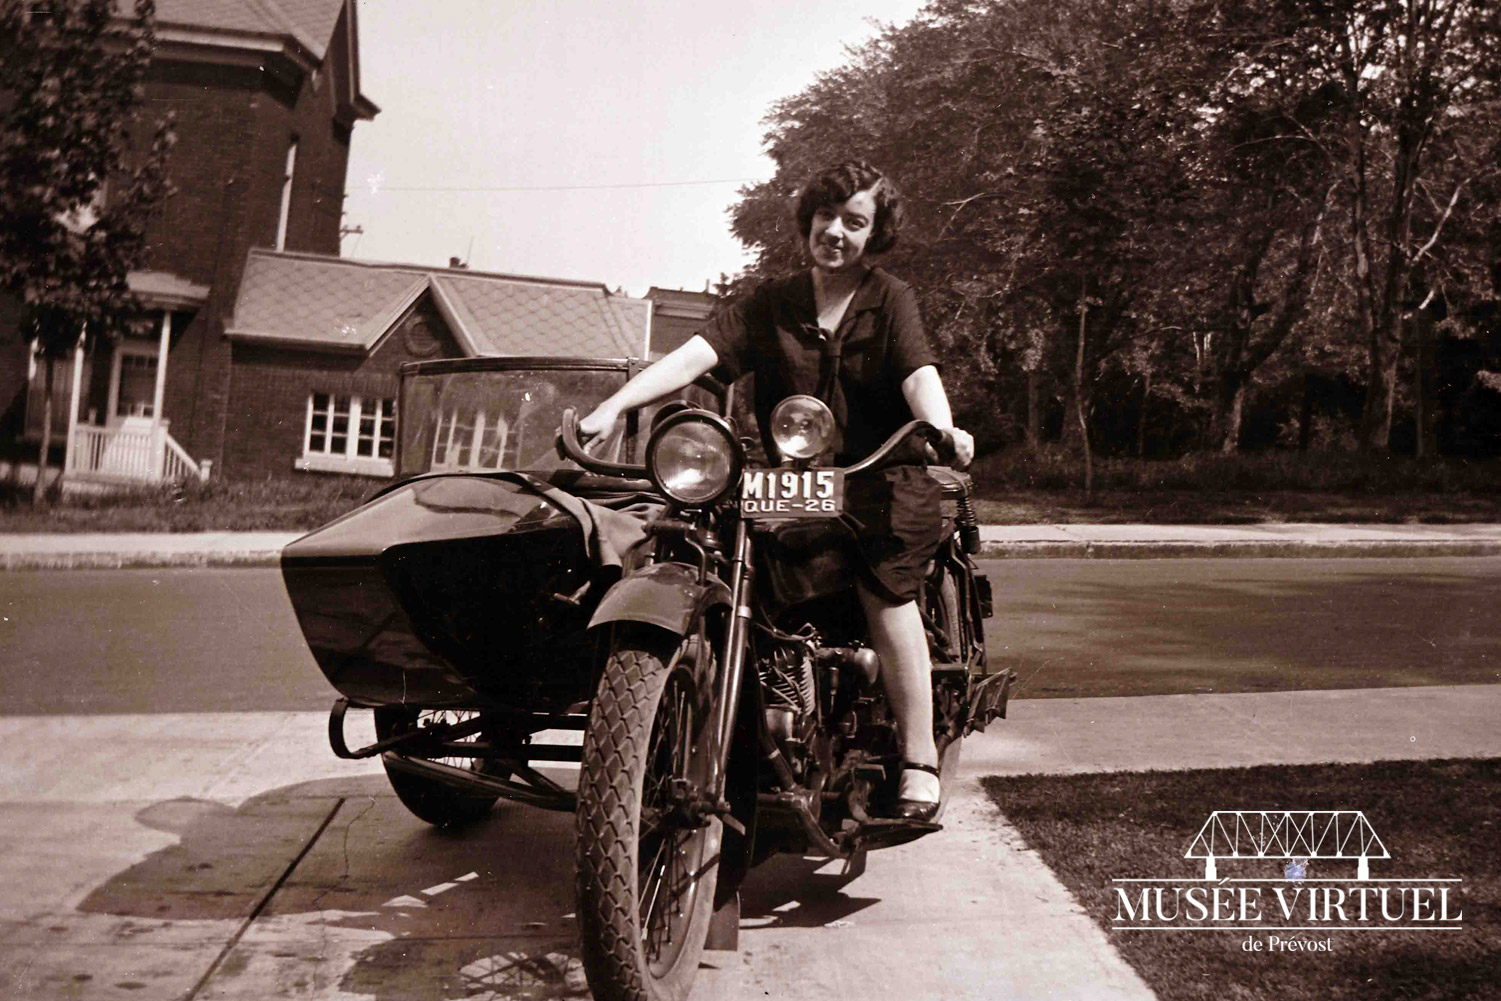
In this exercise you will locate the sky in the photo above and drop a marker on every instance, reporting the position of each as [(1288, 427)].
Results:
[(618, 100)]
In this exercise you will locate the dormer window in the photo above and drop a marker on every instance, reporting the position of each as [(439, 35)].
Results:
[(286, 195)]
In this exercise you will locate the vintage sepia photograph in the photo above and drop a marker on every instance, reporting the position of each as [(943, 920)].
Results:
[(930, 500)]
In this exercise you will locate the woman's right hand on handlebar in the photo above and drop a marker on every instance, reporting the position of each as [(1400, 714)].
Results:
[(598, 423)]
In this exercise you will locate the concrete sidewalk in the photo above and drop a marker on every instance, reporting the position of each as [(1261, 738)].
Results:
[(230, 855), (1148, 732), (59, 551)]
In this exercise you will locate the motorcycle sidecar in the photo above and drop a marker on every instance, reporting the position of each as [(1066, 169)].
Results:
[(455, 602)]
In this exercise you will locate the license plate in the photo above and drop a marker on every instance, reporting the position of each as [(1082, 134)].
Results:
[(774, 494)]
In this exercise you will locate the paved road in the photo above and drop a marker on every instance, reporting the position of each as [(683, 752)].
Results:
[(1157, 627), (213, 640)]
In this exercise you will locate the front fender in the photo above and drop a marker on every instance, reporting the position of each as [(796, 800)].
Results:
[(667, 595)]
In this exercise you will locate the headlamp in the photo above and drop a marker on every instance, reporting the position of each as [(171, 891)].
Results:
[(692, 457), (802, 427)]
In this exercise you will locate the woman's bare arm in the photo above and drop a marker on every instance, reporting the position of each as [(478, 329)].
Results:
[(925, 395), (665, 376)]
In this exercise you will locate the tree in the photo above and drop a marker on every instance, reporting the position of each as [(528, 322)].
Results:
[(1403, 68), (75, 202), (1227, 193), (1006, 125)]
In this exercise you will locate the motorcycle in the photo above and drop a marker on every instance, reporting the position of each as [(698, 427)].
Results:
[(714, 656)]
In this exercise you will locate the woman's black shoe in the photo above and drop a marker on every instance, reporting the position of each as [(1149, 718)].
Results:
[(917, 809)]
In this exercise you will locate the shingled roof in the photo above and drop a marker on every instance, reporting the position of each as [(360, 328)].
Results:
[(332, 304), (309, 22)]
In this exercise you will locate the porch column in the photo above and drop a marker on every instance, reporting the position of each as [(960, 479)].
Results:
[(161, 368), (68, 445), (158, 433)]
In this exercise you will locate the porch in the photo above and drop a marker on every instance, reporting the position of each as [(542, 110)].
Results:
[(107, 403)]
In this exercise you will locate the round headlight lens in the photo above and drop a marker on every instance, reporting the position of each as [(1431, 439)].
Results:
[(802, 427), (692, 461)]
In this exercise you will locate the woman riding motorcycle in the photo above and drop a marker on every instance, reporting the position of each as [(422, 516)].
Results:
[(850, 334)]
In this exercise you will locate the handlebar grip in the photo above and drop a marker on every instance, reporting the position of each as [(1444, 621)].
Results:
[(570, 448), (942, 444)]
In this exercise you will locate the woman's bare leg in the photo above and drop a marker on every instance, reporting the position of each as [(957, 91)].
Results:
[(896, 633)]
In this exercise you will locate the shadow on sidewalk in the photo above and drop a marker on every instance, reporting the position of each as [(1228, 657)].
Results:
[(389, 907)]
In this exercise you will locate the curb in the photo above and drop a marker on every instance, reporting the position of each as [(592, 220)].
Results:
[(139, 561), (1247, 549)]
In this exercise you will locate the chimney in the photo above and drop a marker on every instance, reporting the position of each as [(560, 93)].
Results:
[(454, 262)]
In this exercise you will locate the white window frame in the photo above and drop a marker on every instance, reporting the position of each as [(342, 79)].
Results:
[(348, 460)]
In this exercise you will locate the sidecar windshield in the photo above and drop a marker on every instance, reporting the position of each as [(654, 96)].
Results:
[(503, 413)]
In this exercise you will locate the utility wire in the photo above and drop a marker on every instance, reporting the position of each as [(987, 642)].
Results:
[(579, 187)]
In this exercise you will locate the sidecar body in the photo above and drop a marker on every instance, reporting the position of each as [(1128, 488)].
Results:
[(469, 582)]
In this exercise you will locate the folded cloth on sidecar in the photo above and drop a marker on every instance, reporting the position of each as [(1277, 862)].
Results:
[(613, 522)]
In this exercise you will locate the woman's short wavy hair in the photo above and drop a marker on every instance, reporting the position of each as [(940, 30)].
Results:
[(837, 184)]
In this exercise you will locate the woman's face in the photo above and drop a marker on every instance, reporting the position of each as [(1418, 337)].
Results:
[(837, 237)]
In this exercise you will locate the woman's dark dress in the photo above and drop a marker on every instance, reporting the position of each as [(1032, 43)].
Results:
[(858, 372)]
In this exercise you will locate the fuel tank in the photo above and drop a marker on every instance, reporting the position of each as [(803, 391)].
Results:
[(449, 590)]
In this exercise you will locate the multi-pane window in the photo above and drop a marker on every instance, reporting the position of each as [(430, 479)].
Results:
[(351, 427)]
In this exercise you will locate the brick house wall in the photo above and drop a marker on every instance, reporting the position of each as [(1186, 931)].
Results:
[(234, 125), (270, 386)]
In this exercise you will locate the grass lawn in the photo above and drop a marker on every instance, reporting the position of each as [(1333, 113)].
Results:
[(277, 505), (1435, 818), (1019, 487)]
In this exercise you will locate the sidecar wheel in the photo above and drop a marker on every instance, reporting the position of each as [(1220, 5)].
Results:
[(646, 871), (436, 802)]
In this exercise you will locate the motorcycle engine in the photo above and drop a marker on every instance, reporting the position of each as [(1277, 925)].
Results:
[(789, 692)]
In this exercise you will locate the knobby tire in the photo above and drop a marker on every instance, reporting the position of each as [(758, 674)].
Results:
[(640, 698)]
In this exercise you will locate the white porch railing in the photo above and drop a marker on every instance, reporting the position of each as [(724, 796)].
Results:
[(131, 454)]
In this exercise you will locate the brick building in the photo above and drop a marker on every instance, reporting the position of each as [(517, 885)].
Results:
[(270, 356), (266, 97), (676, 316), (316, 344)]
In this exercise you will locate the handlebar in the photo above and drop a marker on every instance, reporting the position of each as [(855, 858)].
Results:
[(940, 441)]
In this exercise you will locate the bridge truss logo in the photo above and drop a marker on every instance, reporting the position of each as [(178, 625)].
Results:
[(1297, 837)]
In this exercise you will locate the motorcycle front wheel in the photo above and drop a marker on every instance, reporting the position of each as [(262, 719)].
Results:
[(647, 868)]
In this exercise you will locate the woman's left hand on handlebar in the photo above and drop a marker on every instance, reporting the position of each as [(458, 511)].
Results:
[(964, 447)]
